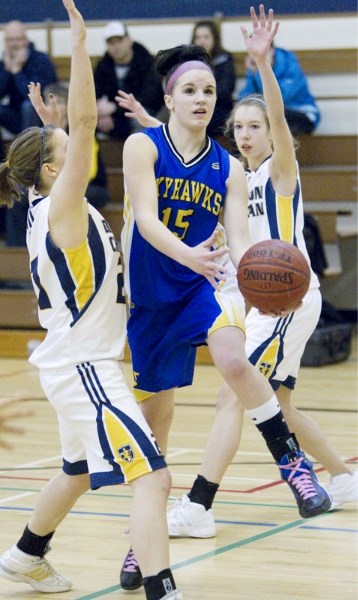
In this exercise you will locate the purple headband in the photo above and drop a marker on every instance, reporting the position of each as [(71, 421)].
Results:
[(189, 65)]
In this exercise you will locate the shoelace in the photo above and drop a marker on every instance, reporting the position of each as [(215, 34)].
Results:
[(178, 517), (172, 510), (44, 570), (130, 565), (303, 483), (177, 514)]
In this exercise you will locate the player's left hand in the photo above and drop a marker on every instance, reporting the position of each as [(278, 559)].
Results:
[(50, 114), (263, 32)]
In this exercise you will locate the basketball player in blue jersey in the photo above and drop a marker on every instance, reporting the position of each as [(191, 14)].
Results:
[(274, 345), (178, 181), (77, 276)]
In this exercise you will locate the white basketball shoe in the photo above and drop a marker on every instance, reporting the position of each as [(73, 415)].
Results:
[(343, 489), (37, 572), (189, 519)]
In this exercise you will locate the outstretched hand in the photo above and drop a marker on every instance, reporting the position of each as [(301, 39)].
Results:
[(135, 110), (259, 41), (78, 29), (50, 114), (133, 107)]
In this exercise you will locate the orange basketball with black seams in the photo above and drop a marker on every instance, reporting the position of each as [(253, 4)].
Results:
[(273, 276)]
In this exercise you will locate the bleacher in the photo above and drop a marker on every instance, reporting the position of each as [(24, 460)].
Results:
[(328, 160)]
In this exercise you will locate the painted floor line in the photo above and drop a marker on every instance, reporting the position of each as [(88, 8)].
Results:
[(17, 497), (206, 555), (231, 522)]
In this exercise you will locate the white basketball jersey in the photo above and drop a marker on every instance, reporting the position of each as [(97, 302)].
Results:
[(272, 216), (79, 291)]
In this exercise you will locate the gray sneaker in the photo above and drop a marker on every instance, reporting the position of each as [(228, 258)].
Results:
[(37, 572)]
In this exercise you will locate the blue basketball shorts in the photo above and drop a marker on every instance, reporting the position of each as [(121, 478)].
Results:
[(163, 342)]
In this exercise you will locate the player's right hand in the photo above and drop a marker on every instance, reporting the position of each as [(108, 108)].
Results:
[(202, 259)]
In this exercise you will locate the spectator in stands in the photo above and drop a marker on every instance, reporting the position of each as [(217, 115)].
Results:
[(126, 66), (301, 111), (2, 208), (20, 64), (207, 35), (96, 193)]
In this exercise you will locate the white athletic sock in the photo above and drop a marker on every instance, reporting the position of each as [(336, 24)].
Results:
[(265, 411)]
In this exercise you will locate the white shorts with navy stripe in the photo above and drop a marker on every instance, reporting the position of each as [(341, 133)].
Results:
[(275, 346), (102, 429)]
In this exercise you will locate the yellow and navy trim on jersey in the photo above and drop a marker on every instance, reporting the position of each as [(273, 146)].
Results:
[(80, 272), (282, 214), (125, 445), (281, 211), (270, 353), (30, 212), (273, 215)]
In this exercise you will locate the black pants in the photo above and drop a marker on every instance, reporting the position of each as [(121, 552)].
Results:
[(298, 122)]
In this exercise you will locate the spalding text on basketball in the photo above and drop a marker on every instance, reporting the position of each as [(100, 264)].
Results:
[(252, 275)]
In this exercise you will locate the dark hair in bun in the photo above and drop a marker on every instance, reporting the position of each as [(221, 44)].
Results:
[(167, 60)]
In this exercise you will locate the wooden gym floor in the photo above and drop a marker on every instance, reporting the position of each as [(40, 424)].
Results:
[(263, 549)]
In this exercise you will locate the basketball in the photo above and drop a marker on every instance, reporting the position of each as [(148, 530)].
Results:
[(273, 276)]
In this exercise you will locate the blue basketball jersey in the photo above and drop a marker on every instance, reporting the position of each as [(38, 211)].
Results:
[(190, 198)]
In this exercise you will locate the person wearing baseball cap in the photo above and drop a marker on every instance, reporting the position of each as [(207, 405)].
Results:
[(115, 29), (128, 66)]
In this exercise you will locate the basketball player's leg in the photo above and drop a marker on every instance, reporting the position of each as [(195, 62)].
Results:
[(55, 501), (149, 530), (25, 561), (229, 415), (343, 482), (310, 436), (193, 516), (158, 410), (226, 342), (282, 367), (141, 465), (148, 526), (254, 393), (221, 449), (227, 348), (148, 517)]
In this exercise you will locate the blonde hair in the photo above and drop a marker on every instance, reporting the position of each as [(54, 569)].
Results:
[(22, 168)]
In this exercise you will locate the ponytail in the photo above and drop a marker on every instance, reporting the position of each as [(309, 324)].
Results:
[(22, 169)]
